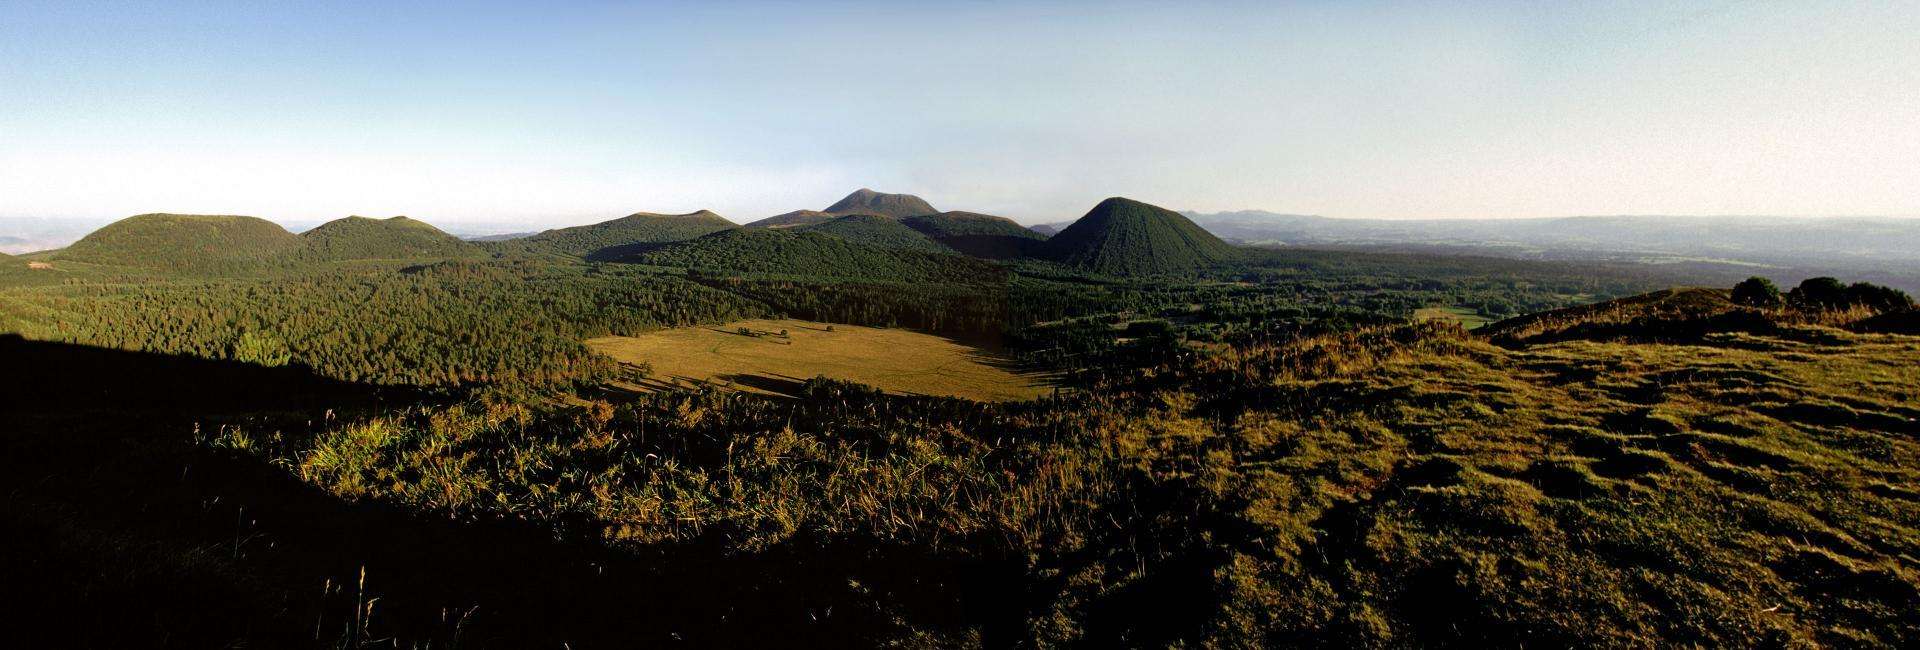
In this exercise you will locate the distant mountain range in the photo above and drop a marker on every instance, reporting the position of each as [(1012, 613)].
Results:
[(1117, 237), (1767, 240)]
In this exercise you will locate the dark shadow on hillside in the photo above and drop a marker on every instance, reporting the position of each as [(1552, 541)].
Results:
[(782, 385), (994, 247), (623, 251), (122, 531), (40, 376)]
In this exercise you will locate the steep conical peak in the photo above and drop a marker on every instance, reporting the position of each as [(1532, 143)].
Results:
[(1122, 236), (866, 201)]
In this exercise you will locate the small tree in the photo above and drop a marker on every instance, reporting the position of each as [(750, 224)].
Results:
[(1757, 292), (260, 349)]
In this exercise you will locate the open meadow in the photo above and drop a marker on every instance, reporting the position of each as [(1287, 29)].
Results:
[(755, 356)]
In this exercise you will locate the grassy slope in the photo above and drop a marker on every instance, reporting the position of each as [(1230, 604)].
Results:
[(818, 255), (183, 242), (1126, 237), (1752, 490), (360, 238), (620, 237), (871, 230)]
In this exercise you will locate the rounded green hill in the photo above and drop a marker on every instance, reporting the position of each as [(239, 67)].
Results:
[(621, 237), (360, 238), (183, 242), (979, 235)]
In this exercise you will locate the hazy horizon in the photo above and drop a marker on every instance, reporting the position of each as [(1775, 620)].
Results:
[(561, 115)]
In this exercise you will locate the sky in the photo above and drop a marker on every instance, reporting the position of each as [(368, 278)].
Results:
[(558, 113)]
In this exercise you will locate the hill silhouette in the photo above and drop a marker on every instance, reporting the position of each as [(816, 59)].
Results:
[(1045, 229), (609, 240), (866, 201), (815, 254), (1126, 237), (979, 235), (884, 232), (184, 242), (361, 238)]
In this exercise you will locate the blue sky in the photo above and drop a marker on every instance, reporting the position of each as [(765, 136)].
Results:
[(555, 113)]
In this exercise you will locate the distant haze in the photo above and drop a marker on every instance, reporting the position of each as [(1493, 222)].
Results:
[(524, 116)]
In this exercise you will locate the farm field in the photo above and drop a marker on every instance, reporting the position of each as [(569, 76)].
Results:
[(895, 360)]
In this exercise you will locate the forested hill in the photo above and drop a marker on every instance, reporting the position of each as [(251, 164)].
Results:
[(778, 252), (979, 235), (884, 232), (360, 238), (609, 240), (866, 201), (1126, 237), (184, 242)]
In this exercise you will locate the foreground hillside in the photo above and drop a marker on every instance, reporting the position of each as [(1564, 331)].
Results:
[(1373, 485)]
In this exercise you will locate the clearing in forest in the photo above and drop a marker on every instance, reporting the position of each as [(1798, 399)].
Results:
[(1467, 318), (753, 356)]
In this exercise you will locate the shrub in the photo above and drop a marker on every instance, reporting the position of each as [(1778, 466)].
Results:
[(1757, 292), (1884, 299), (1822, 293)]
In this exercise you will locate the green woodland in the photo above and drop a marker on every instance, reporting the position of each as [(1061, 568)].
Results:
[(375, 435)]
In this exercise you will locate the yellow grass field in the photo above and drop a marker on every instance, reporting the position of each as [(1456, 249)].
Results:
[(895, 360)]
